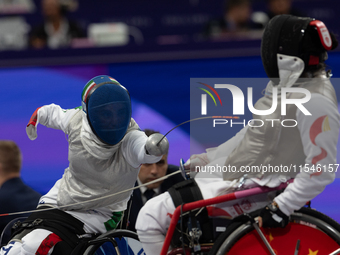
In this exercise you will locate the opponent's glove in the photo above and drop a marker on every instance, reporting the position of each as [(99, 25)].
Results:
[(273, 217), (31, 128), (156, 148), (196, 160)]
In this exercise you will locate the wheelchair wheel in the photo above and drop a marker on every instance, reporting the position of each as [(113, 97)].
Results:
[(315, 232), (115, 242)]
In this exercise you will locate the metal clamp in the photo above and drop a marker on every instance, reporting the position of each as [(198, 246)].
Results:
[(195, 234), (242, 181)]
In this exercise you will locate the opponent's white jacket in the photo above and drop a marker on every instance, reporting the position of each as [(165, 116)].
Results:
[(95, 170), (315, 144), (308, 150)]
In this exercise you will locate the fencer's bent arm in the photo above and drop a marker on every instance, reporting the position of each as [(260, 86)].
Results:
[(50, 116), (53, 116), (227, 147), (319, 135)]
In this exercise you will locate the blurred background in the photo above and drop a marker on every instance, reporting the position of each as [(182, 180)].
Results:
[(49, 49)]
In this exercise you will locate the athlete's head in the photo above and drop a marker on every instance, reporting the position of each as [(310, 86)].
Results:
[(107, 105), (305, 38)]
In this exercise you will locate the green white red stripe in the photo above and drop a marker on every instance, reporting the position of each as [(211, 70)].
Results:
[(113, 80), (90, 85), (87, 89)]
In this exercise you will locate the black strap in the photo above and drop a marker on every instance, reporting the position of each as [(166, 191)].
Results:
[(59, 222), (64, 218), (185, 192)]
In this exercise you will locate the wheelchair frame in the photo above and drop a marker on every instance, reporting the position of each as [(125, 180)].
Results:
[(224, 198)]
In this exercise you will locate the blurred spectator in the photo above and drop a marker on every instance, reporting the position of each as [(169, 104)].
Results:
[(15, 196), (236, 18), (13, 33), (147, 173), (57, 31), (71, 5), (277, 7), (16, 6)]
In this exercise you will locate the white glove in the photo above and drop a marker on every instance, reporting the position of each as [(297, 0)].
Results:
[(196, 160)]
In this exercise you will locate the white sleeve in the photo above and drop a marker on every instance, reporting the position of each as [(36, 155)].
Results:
[(133, 149), (214, 153), (319, 134), (53, 116), (50, 116), (224, 149)]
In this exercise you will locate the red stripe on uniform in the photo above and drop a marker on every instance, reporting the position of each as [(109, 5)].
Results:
[(316, 128), (314, 131), (47, 244), (317, 158), (34, 117)]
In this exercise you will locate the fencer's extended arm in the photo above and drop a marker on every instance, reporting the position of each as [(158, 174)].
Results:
[(319, 134), (134, 149), (211, 154), (52, 116)]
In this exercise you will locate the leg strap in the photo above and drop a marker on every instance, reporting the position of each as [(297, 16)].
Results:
[(68, 228)]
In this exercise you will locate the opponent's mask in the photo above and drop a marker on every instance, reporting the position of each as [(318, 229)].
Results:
[(107, 105), (305, 38)]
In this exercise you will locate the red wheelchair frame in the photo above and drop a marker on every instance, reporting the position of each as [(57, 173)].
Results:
[(242, 194)]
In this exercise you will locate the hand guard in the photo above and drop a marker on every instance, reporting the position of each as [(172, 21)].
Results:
[(272, 217), (31, 128), (153, 148)]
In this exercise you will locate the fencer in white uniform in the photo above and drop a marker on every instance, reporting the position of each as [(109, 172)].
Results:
[(106, 150), (292, 58)]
